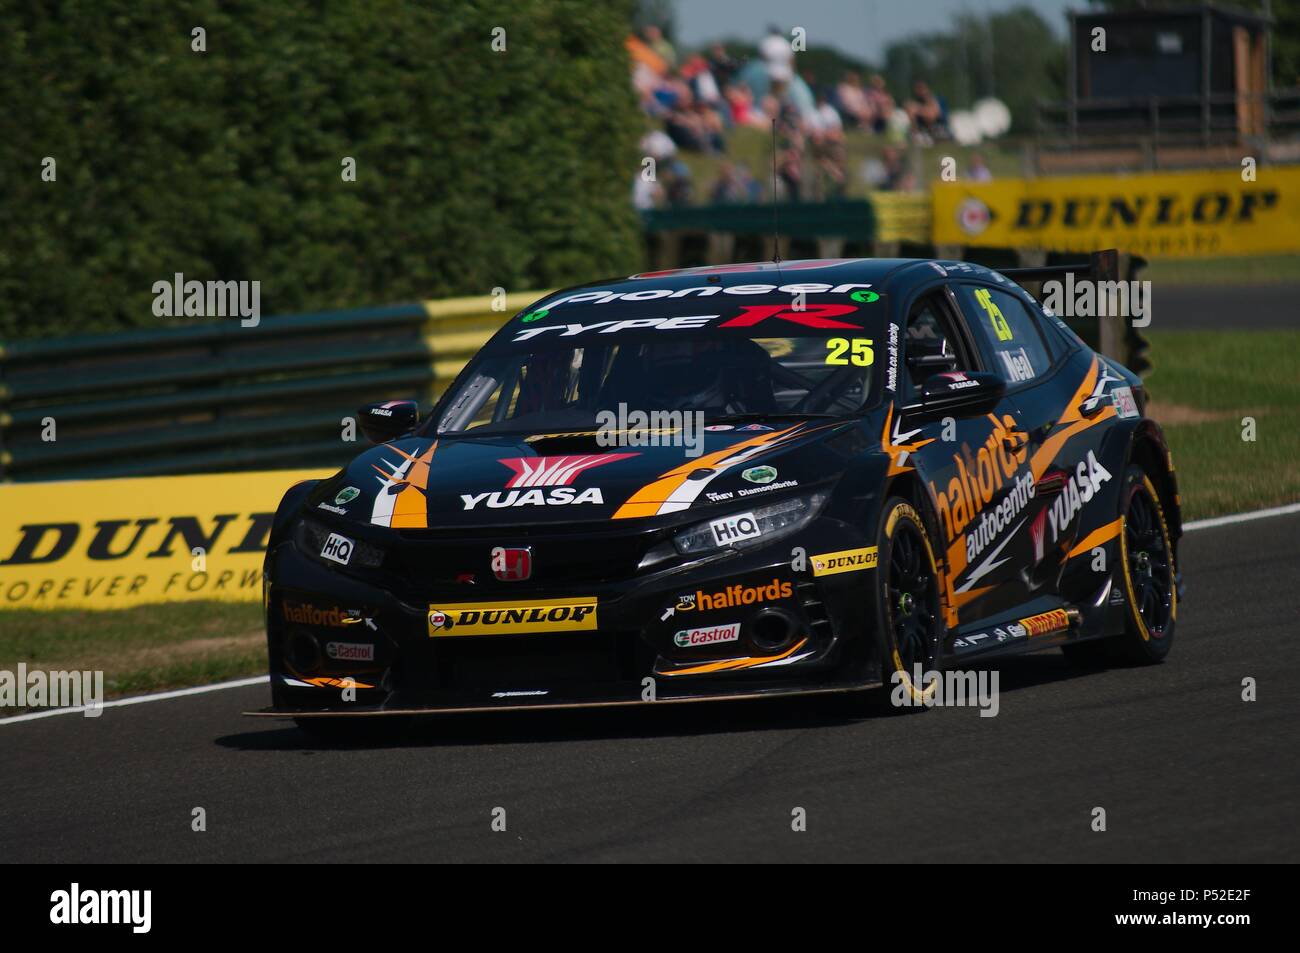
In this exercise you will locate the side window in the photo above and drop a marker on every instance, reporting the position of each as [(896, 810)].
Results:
[(1007, 333), (931, 345)]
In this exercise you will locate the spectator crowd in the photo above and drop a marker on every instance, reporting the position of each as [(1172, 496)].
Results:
[(697, 100)]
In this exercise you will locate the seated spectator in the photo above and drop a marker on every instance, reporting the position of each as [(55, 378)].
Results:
[(880, 103), (735, 186), (926, 113), (722, 65), (647, 193), (678, 185), (655, 39), (852, 101), (978, 170), (740, 99), (889, 173), (826, 134)]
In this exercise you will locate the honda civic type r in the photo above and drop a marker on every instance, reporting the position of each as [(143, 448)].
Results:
[(731, 482)]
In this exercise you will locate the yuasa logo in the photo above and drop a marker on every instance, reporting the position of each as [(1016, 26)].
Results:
[(560, 496), (689, 638), (75, 906), (337, 549), (556, 471), (733, 529)]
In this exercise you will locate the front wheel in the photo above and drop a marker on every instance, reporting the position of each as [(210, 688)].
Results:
[(910, 618)]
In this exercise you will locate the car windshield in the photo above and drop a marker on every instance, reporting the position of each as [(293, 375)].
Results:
[(560, 381)]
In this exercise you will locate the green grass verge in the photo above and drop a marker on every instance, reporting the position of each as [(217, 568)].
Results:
[(144, 649), (1203, 383), (1252, 270)]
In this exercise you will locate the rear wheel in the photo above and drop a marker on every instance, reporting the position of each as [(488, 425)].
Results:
[(910, 612), (1147, 580)]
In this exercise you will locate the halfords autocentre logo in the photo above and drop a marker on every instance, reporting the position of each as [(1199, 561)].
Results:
[(514, 618), (733, 596), (303, 613), (1169, 213), (115, 543)]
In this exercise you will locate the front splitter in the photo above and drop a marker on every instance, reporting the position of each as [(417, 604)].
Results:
[(560, 706)]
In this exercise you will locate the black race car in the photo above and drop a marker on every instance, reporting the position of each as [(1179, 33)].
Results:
[(731, 482)]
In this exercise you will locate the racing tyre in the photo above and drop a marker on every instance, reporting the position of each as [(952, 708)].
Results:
[(910, 616), (1148, 579)]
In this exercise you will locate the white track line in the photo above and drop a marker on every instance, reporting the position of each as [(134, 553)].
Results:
[(1242, 517), (261, 679), (141, 699)]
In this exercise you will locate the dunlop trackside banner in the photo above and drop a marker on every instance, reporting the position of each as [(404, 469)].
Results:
[(1161, 214), (108, 544)]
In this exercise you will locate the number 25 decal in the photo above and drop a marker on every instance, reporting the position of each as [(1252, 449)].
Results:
[(843, 352), (1000, 326)]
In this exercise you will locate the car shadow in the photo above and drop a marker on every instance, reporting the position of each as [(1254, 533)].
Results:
[(1016, 673)]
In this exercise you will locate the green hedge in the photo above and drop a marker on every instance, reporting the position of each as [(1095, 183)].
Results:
[(475, 168)]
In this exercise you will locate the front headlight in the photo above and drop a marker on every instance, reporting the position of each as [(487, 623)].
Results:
[(756, 527), (314, 537)]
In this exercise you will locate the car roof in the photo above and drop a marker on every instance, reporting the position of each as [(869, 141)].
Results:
[(884, 274)]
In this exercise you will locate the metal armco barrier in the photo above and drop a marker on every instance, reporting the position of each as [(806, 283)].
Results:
[(220, 397)]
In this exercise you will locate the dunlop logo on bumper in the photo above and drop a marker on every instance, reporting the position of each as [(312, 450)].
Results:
[(514, 618), (846, 560)]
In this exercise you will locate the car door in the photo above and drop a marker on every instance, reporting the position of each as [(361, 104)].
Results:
[(1015, 345), (966, 459)]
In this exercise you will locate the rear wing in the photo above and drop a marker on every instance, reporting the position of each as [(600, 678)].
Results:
[(1113, 337), (1100, 266)]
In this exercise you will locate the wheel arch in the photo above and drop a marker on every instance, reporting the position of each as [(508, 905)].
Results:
[(1149, 450)]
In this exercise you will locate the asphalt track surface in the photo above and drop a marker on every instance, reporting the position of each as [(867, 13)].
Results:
[(1185, 770), (1221, 307)]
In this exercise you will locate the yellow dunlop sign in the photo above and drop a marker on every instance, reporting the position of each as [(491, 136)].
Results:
[(110, 544), (846, 560), (514, 618), (1159, 214)]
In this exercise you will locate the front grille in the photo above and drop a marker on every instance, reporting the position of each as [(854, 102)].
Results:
[(430, 560)]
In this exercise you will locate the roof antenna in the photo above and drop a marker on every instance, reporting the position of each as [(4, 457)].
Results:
[(776, 229)]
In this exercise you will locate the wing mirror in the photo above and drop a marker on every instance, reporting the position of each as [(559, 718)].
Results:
[(973, 392), (387, 420)]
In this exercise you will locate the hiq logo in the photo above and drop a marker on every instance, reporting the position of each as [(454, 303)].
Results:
[(733, 529), (337, 549)]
